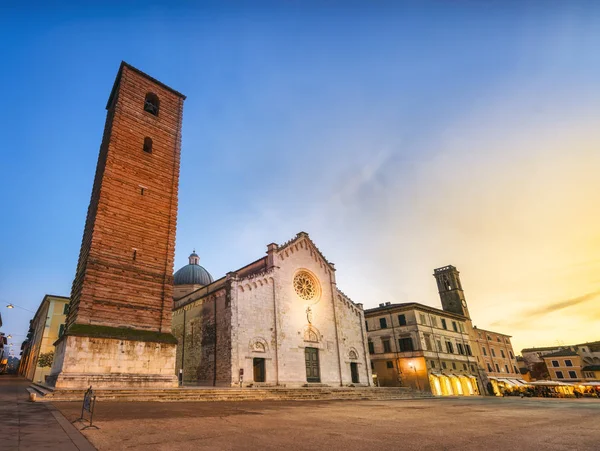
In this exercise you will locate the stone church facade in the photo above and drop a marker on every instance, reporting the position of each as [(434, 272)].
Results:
[(278, 321)]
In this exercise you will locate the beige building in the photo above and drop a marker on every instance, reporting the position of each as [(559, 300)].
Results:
[(452, 354), (46, 327), (498, 360), (564, 366), (583, 361), (278, 321), (422, 347)]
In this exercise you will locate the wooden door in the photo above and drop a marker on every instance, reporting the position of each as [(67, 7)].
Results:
[(354, 372), (311, 356), (259, 370)]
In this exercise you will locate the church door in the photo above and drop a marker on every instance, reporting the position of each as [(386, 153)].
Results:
[(259, 370), (311, 356), (354, 372)]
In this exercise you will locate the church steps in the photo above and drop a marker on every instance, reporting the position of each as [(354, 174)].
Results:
[(231, 394)]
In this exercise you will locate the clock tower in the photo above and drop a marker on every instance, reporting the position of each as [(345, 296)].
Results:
[(450, 289)]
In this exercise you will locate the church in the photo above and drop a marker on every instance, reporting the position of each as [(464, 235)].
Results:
[(278, 321)]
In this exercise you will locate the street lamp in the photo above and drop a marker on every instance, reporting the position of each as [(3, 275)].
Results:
[(412, 365), (18, 306)]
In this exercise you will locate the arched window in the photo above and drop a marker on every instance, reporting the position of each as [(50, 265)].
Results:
[(148, 145), (151, 104)]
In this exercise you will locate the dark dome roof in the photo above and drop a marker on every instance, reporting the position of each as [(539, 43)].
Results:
[(192, 273)]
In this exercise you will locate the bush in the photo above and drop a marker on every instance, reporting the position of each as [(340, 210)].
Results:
[(45, 359)]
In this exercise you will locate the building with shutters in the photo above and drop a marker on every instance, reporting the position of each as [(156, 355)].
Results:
[(438, 350), (422, 347), (46, 327)]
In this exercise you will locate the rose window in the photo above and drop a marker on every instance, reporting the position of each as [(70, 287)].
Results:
[(305, 286)]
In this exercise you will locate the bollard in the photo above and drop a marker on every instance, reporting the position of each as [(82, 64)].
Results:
[(32, 397)]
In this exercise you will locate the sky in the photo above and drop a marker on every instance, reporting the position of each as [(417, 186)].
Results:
[(402, 136)]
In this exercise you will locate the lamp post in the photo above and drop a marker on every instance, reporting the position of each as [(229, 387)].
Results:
[(412, 365), (18, 306)]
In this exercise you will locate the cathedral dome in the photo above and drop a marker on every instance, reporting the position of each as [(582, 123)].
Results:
[(193, 273)]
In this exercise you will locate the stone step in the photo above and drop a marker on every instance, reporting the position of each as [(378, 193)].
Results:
[(231, 394)]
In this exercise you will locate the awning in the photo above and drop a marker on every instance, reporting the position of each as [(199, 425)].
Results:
[(550, 383)]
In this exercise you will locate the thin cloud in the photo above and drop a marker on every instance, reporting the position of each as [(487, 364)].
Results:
[(526, 317), (564, 304)]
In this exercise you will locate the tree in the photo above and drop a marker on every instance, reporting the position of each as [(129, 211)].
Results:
[(45, 359)]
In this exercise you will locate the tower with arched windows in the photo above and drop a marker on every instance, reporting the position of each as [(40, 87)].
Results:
[(450, 290), (118, 331)]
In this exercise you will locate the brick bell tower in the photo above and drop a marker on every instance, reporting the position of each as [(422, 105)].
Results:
[(450, 290), (118, 329)]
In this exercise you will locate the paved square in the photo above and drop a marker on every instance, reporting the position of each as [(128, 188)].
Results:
[(426, 424)]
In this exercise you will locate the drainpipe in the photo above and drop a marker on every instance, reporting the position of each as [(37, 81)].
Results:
[(395, 346), (363, 333), (183, 348), (275, 331), (337, 335), (215, 353)]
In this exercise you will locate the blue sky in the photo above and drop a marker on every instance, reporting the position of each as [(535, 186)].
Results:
[(402, 136)]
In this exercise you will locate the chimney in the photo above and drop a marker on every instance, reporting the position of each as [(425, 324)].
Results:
[(382, 305), (388, 303)]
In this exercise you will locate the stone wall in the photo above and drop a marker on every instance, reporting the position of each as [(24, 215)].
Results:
[(205, 347), (112, 363)]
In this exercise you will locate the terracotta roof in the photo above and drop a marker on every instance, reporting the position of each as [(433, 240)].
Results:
[(561, 353)]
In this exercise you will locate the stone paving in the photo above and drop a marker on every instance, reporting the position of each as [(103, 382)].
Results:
[(30, 426), (474, 423)]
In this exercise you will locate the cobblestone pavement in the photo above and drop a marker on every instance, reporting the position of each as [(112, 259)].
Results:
[(30, 426), (426, 424)]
